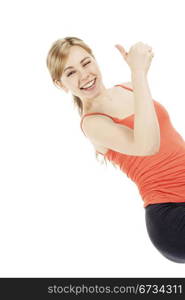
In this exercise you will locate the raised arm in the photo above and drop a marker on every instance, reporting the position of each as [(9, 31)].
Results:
[(146, 126)]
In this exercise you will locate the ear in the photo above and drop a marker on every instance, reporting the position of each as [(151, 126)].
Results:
[(61, 85)]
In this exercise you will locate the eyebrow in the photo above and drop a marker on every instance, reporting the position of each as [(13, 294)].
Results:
[(80, 62)]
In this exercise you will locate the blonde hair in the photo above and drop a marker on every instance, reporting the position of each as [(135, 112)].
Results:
[(56, 59)]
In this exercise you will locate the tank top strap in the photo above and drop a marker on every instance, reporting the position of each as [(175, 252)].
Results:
[(126, 87)]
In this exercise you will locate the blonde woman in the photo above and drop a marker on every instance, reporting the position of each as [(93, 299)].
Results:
[(132, 131)]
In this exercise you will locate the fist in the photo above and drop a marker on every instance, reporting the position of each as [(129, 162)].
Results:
[(139, 56)]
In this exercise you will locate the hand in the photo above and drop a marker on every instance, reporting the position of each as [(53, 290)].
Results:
[(139, 56)]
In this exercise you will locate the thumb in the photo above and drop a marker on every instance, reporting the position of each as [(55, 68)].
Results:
[(122, 50)]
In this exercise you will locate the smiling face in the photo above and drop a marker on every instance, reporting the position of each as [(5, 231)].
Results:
[(80, 68)]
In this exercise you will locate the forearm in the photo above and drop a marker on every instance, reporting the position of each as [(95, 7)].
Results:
[(146, 126)]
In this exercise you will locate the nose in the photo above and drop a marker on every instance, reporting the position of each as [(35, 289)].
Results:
[(83, 74)]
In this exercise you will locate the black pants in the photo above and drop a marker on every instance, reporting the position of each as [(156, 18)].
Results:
[(165, 224)]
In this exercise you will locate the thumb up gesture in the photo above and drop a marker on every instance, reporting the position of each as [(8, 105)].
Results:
[(139, 56)]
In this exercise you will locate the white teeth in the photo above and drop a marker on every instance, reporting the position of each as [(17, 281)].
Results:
[(89, 84)]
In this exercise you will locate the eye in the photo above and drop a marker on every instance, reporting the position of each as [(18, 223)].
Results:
[(70, 73), (86, 63), (74, 71)]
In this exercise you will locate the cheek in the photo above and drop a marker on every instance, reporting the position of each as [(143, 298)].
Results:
[(96, 70), (74, 84), (73, 80)]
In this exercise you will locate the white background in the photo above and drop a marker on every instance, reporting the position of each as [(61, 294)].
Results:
[(62, 214)]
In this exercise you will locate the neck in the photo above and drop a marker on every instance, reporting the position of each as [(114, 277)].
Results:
[(97, 102)]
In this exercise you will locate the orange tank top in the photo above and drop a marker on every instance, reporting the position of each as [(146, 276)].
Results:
[(159, 177)]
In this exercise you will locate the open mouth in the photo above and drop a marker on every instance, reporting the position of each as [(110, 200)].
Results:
[(90, 85)]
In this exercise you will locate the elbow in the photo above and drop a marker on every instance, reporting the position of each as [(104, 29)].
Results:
[(154, 152), (155, 149)]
